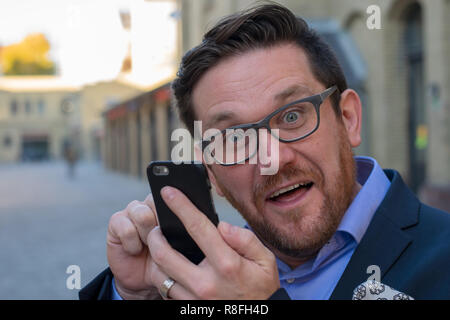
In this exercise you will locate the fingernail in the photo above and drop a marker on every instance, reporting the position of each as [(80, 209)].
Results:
[(228, 228), (168, 193)]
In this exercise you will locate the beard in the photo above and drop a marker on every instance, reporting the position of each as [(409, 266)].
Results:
[(312, 229)]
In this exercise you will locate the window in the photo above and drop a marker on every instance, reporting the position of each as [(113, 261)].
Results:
[(7, 141), (27, 107), (13, 107), (67, 106), (41, 107)]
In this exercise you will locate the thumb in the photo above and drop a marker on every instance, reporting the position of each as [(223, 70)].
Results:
[(245, 243)]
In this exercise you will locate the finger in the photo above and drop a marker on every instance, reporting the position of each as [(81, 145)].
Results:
[(172, 262), (245, 242), (151, 203), (123, 232), (142, 217), (199, 227), (176, 292)]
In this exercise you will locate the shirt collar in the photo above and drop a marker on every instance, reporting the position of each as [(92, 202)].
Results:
[(375, 185)]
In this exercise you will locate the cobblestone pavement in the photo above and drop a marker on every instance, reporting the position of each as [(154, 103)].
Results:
[(49, 222)]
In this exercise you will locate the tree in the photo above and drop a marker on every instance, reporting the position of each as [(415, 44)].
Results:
[(28, 57)]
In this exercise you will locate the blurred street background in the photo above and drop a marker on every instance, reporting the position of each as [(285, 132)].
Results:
[(49, 221), (85, 105)]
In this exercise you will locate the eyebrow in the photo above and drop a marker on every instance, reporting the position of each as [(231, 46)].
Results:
[(290, 91), (279, 97), (220, 117)]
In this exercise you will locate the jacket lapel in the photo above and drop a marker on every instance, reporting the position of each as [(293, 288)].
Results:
[(384, 240)]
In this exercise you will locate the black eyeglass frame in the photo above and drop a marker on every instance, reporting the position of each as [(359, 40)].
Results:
[(316, 100)]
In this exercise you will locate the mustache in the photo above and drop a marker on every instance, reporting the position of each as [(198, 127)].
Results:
[(288, 173)]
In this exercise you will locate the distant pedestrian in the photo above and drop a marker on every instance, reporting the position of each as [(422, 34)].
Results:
[(71, 157)]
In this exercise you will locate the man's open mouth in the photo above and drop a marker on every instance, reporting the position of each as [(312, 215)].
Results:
[(290, 192)]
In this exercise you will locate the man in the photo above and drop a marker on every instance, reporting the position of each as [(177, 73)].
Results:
[(314, 227), (71, 157)]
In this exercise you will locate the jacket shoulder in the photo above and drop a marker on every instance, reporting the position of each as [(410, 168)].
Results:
[(436, 214), (432, 233), (423, 267), (435, 222)]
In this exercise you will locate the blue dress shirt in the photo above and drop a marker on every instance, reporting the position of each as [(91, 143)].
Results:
[(317, 278)]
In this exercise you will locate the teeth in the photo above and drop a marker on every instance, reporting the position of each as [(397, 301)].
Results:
[(276, 194)]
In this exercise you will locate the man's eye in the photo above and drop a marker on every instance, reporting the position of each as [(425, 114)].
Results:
[(291, 117), (235, 137)]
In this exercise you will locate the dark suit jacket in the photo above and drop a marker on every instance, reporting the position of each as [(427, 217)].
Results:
[(408, 240)]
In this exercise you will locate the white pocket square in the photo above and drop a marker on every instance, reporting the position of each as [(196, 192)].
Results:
[(373, 290)]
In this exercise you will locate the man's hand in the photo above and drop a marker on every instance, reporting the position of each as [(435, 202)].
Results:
[(237, 264), (127, 251)]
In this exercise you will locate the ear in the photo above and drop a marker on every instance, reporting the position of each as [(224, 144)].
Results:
[(199, 155), (351, 114)]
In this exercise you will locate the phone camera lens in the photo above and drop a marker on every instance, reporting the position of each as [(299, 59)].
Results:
[(160, 170)]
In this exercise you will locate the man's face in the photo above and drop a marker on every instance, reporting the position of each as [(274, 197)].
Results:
[(246, 88)]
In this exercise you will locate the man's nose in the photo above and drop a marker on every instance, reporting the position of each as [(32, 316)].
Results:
[(275, 150), (286, 153)]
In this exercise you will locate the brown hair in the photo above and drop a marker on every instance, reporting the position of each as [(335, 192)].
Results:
[(259, 27)]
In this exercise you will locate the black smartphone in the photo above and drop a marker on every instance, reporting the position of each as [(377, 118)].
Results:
[(192, 179)]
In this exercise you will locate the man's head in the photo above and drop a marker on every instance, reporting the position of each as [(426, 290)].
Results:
[(261, 27), (247, 66)]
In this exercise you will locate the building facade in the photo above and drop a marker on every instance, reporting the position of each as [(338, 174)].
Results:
[(39, 115), (36, 116), (139, 130)]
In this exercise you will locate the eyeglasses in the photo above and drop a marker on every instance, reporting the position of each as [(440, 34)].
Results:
[(293, 121)]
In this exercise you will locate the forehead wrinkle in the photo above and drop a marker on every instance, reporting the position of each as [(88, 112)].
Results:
[(219, 117), (239, 91), (293, 90)]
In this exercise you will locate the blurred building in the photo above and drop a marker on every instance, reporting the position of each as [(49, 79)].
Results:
[(138, 131), (35, 114), (94, 100), (40, 114)]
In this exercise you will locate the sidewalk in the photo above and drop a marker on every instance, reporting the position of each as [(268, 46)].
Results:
[(48, 222)]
